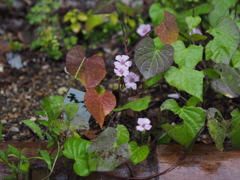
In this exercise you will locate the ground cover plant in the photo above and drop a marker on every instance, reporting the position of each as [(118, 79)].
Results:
[(195, 51)]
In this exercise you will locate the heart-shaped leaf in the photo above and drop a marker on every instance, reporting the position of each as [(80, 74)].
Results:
[(137, 105), (235, 128), (122, 135), (188, 57), (138, 153), (186, 79), (104, 7), (150, 60), (105, 154), (168, 30), (77, 149), (217, 127), (92, 71), (225, 43), (193, 22), (156, 13), (99, 105), (229, 83), (193, 117)]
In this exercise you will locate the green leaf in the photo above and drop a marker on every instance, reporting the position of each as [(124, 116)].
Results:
[(137, 105), (138, 153), (14, 150), (104, 7), (153, 80), (236, 59), (164, 139), (35, 127), (71, 110), (81, 166), (235, 128), (105, 154), (211, 73), (193, 101), (204, 8), (93, 21), (193, 22), (188, 57), (193, 117), (52, 106), (3, 157), (46, 158), (226, 40), (217, 127), (229, 83), (187, 37), (76, 27), (123, 134), (156, 13), (221, 8), (150, 60), (186, 79), (24, 167), (158, 43), (77, 149), (82, 16)]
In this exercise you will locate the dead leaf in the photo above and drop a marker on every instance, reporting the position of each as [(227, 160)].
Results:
[(168, 30), (99, 105)]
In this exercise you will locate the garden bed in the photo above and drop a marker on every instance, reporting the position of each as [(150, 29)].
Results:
[(205, 162)]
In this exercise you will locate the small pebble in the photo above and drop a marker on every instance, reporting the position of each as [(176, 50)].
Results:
[(14, 129), (14, 109), (3, 121), (14, 137), (33, 118), (62, 90)]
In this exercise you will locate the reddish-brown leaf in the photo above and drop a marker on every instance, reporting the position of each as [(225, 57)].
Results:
[(92, 71), (74, 58), (99, 105), (168, 30)]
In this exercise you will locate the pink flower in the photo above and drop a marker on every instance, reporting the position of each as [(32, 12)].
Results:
[(130, 80), (44, 118), (122, 60), (144, 124), (195, 31), (121, 71), (143, 29)]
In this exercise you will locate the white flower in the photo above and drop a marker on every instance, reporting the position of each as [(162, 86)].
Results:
[(144, 124), (130, 80), (195, 31), (121, 71), (143, 29), (122, 60)]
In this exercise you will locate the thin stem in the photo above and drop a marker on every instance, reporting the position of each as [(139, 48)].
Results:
[(79, 67), (55, 160)]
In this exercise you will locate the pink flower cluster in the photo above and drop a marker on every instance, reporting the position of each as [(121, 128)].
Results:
[(144, 124), (122, 70)]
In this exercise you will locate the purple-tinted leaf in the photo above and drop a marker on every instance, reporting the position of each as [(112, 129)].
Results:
[(152, 61), (229, 83)]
